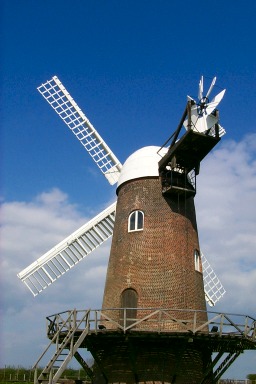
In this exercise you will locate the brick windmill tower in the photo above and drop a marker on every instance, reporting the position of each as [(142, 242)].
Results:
[(158, 281), (155, 255)]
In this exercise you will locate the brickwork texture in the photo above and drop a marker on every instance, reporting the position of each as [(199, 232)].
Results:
[(157, 262)]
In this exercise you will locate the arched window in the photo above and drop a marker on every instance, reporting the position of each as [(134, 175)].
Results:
[(197, 260), (136, 221), (129, 303)]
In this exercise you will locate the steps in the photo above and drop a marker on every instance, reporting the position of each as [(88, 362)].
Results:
[(67, 344)]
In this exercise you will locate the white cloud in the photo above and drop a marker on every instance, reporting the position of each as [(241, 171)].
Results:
[(226, 213), (29, 229)]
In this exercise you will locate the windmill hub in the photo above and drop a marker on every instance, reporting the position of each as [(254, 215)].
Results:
[(202, 105)]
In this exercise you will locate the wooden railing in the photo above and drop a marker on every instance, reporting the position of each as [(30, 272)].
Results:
[(155, 319)]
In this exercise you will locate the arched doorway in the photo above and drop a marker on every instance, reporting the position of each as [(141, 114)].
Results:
[(129, 303)]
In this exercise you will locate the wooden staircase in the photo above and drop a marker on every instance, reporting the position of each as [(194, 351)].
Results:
[(68, 338)]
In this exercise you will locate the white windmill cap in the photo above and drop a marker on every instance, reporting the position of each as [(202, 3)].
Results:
[(142, 163)]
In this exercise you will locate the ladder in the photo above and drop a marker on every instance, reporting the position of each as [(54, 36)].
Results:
[(66, 348)]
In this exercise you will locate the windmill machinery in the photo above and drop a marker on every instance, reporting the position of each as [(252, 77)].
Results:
[(157, 278), (204, 115), (73, 249)]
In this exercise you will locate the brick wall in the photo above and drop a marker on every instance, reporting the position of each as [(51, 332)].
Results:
[(157, 262)]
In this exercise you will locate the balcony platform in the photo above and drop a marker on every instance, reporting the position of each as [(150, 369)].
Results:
[(189, 150), (159, 345)]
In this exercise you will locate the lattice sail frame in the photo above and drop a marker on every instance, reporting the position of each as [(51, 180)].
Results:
[(73, 249), (213, 288), (60, 100)]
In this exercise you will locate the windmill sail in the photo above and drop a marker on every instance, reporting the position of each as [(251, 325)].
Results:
[(60, 259), (60, 100), (213, 288)]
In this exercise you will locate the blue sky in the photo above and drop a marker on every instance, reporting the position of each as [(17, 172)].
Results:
[(129, 65)]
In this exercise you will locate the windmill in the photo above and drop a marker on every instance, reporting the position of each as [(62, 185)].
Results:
[(158, 280), (73, 249)]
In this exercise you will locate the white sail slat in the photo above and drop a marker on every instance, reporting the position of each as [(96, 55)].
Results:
[(213, 288), (60, 100), (64, 256)]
